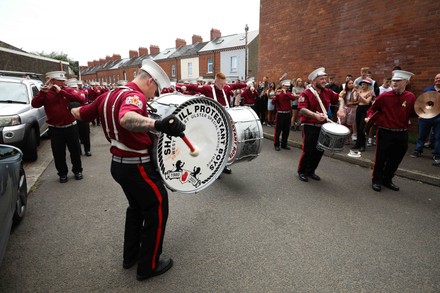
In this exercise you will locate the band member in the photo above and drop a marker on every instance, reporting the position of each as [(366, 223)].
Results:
[(312, 105), (63, 132), (126, 126), (83, 127), (219, 91), (394, 111), (283, 103), (250, 95)]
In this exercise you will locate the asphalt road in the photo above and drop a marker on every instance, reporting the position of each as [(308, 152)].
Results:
[(259, 229)]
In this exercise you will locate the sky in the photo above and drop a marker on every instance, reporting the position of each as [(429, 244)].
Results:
[(90, 30)]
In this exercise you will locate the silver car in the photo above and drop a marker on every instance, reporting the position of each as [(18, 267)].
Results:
[(13, 192), (21, 125)]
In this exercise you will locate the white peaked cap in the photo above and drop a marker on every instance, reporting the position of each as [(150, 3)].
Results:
[(401, 75), (317, 72), (157, 73), (72, 82), (58, 75)]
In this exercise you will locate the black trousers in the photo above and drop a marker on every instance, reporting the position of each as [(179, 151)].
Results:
[(361, 113), (282, 127), (84, 134), (60, 138), (146, 215), (391, 147), (311, 156)]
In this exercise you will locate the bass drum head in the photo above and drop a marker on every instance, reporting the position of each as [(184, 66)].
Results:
[(208, 128)]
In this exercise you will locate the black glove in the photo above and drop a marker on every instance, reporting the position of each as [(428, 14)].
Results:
[(170, 125)]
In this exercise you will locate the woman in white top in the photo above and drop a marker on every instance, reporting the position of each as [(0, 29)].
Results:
[(296, 92), (270, 93)]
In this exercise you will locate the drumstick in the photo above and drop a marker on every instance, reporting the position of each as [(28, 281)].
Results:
[(193, 150)]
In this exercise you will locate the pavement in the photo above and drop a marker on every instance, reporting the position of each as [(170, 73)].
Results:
[(419, 169)]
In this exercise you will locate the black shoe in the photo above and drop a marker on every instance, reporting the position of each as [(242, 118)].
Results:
[(315, 177), (63, 179), (227, 170), (164, 265), (303, 177), (392, 186), (78, 176), (88, 154), (128, 265), (277, 148), (286, 147), (376, 187), (362, 149)]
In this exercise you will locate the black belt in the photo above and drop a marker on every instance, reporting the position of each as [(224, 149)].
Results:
[(131, 160), (394, 129)]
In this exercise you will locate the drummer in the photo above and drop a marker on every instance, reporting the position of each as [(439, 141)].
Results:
[(126, 125), (394, 111), (313, 115), (219, 91)]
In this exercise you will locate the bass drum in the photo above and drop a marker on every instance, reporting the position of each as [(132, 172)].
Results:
[(208, 128), (332, 137), (247, 134)]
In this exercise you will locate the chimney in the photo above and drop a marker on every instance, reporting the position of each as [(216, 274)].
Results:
[(154, 49), (90, 63), (102, 61), (180, 43), (108, 58), (133, 54), (143, 51), (215, 34), (196, 39), (116, 57)]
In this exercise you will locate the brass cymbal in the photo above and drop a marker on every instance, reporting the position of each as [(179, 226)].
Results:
[(428, 105)]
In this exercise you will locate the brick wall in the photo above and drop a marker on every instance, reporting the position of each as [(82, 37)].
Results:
[(343, 36)]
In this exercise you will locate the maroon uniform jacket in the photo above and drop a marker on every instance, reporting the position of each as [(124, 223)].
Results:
[(308, 100), (249, 96), (56, 105), (282, 101), (206, 90), (129, 100), (394, 110)]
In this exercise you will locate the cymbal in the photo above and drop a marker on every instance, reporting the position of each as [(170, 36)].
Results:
[(428, 105)]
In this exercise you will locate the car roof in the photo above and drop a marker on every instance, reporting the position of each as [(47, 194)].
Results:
[(21, 80)]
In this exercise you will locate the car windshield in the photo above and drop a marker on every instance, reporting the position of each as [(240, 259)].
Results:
[(11, 92)]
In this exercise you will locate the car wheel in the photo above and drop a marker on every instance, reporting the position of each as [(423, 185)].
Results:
[(30, 147), (20, 206)]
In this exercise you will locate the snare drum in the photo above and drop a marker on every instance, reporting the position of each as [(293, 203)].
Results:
[(332, 137), (208, 128), (247, 134)]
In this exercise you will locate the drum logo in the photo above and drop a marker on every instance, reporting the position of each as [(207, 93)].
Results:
[(183, 175)]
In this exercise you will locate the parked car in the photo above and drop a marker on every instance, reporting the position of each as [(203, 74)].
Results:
[(13, 192), (21, 125)]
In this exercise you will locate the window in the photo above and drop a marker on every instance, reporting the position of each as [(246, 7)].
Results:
[(190, 69), (234, 64), (210, 65), (173, 70)]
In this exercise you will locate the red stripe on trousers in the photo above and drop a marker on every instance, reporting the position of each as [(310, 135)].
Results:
[(159, 211)]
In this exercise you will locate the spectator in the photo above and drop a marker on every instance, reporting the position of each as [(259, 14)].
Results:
[(296, 92), (364, 97), (270, 93), (427, 125), (351, 104)]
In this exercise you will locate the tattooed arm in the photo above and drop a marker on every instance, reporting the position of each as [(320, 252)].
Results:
[(137, 123)]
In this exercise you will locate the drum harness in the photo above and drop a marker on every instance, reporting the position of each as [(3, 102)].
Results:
[(322, 107), (116, 142), (224, 96)]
